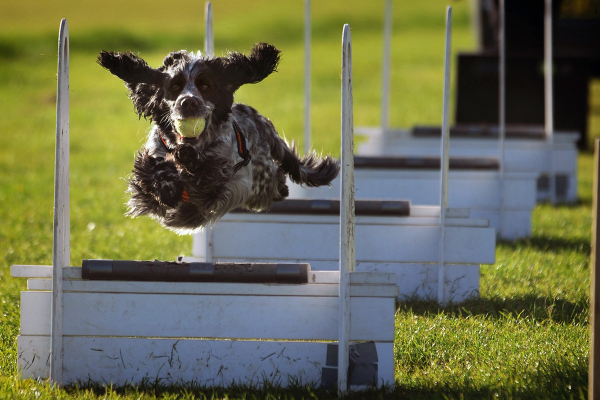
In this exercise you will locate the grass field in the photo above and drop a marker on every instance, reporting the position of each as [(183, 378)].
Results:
[(526, 338)]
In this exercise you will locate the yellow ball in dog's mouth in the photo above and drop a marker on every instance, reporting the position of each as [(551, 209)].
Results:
[(190, 127)]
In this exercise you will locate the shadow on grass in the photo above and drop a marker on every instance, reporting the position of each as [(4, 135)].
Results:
[(533, 307), (550, 382), (548, 243)]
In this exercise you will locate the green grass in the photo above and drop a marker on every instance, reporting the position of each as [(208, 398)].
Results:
[(526, 337)]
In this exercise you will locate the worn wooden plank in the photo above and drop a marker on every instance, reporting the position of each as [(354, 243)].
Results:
[(61, 253), (216, 316), (315, 277), (31, 271), (324, 290), (427, 218), (347, 255), (45, 271), (206, 362)]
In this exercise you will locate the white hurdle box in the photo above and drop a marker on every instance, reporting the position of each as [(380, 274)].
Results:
[(209, 333), (526, 149), (105, 323), (402, 239), (472, 183)]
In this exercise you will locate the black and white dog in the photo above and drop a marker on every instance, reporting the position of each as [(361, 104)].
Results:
[(205, 155)]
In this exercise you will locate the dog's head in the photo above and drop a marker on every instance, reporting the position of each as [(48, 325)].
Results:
[(188, 86)]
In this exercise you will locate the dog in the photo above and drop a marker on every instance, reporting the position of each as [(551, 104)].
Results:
[(206, 155)]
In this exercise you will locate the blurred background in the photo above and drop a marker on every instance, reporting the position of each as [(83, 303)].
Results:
[(106, 133)]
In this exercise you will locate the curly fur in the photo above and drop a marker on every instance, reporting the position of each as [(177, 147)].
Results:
[(187, 183)]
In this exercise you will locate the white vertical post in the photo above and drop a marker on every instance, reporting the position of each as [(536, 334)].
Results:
[(385, 85), (209, 40), (445, 159), (501, 106), (307, 143), (347, 240), (549, 92), (61, 253), (209, 50), (476, 6)]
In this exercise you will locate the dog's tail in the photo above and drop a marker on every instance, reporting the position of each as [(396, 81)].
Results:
[(311, 170)]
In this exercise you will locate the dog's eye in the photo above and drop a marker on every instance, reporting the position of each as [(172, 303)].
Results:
[(176, 84), (202, 85)]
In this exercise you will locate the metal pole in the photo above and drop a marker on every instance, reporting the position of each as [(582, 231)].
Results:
[(501, 106), (385, 86), (307, 144), (347, 240), (61, 252), (445, 159), (209, 40), (594, 357), (549, 94), (209, 50)]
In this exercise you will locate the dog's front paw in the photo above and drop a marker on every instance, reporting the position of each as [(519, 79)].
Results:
[(187, 156), (169, 193), (158, 178)]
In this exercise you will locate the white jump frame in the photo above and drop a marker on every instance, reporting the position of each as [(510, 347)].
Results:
[(61, 272), (445, 157), (501, 102), (549, 93), (307, 119), (61, 251), (209, 39)]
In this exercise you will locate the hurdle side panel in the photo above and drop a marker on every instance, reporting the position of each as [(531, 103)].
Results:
[(515, 223), (33, 356), (421, 280), (321, 290), (468, 189), (411, 244), (519, 192), (208, 316), (206, 362)]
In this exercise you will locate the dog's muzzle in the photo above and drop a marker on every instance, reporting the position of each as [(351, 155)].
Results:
[(190, 117)]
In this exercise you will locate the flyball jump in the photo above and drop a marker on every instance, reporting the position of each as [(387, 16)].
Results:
[(210, 333)]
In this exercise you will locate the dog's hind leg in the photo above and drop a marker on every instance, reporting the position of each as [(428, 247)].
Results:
[(282, 187)]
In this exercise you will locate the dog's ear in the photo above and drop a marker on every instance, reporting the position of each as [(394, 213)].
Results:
[(145, 84), (239, 69), (130, 68)]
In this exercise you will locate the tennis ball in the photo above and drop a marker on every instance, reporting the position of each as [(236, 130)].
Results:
[(190, 127)]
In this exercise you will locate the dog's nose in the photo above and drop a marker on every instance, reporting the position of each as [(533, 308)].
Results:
[(189, 104)]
